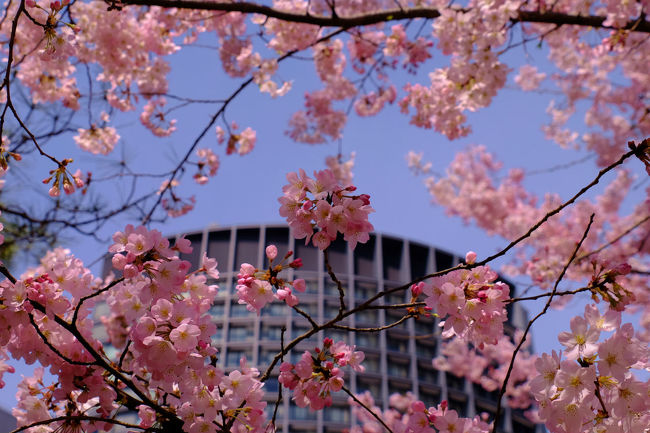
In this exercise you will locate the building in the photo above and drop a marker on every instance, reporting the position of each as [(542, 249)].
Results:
[(397, 360), (7, 421)]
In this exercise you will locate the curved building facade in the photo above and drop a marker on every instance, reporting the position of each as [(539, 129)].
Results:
[(397, 360)]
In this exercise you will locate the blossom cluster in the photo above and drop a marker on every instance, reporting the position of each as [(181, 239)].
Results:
[(471, 303), (330, 210), (255, 287), (315, 377), (593, 389), (488, 367), (407, 414)]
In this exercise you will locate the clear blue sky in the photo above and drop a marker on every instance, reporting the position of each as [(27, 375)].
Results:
[(246, 188)]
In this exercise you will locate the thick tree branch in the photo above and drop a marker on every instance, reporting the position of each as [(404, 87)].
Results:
[(372, 18)]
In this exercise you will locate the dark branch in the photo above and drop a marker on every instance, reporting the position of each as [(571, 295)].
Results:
[(372, 18)]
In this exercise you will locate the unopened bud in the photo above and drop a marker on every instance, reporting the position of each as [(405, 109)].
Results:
[(470, 258), (271, 252)]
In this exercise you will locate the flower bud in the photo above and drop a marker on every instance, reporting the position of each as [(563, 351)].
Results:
[(271, 252)]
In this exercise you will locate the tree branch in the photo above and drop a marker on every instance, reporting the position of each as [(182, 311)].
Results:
[(371, 18)]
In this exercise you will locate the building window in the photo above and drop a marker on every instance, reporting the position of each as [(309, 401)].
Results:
[(338, 253), (217, 310), (367, 339), (298, 330), (218, 246), (444, 260), (339, 414), (364, 291), (398, 387), (238, 310), (371, 363), (419, 258), (195, 256), (426, 373), (429, 396), (266, 358), (372, 386), (308, 254), (397, 343), (332, 289), (278, 236), (270, 332), (425, 350), (398, 369), (459, 405), (246, 247), (271, 385), (310, 309), (368, 317), (455, 382), (301, 413), (392, 258), (364, 258), (233, 357), (240, 333), (275, 309)]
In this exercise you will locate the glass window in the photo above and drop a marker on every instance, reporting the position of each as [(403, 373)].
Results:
[(425, 350), (365, 384), (233, 357), (392, 258), (217, 310), (330, 311), (364, 290), (338, 252), (240, 333), (398, 369), (195, 256), (266, 358), (455, 382), (337, 335), (218, 243), (278, 236), (301, 413), (367, 317), (427, 374), (397, 344), (419, 257), (271, 332), (246, 247), (331, 289), (298, 330), (238, 310), (310, 309), (311, 287), (398, 387), (444, 260), (429, 397), (340, 414), (458, 405), (367, 339), (271, 385), (308, 254), (364, 258), (275, 309), (371, 363)]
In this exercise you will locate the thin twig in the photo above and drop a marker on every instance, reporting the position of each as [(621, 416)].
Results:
[(339, 285), (530, 323), (360, 403)]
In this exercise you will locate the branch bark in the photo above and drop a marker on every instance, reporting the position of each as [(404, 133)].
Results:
[(368, 19)]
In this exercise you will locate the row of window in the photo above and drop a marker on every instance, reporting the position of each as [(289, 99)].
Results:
[(247, 250)]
